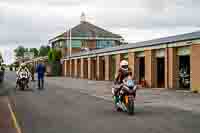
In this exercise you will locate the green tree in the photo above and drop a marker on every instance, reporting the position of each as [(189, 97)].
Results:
[(1, 58), (50, 55), (19, 51), (43, 51), (35, 51), (56, 55)]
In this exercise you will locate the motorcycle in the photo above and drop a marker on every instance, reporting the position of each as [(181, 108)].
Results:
[(23, 80), (184, 79), (127, 97)]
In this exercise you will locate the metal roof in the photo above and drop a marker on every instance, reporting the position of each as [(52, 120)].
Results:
[(165, 40), (86, 29)]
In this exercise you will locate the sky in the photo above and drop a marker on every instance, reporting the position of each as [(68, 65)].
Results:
[(32, 23)]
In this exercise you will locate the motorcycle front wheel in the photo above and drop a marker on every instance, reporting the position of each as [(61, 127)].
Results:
[(131, 108), (22, 86)]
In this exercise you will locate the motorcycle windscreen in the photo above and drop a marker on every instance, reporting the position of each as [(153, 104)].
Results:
[(130, 83)]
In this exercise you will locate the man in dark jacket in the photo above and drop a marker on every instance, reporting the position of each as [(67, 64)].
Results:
[(40, 72)]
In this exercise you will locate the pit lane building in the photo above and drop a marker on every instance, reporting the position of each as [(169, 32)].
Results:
[(170, 62), (155, 63)]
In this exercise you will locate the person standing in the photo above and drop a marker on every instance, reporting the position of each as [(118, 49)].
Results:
[(40, 74)]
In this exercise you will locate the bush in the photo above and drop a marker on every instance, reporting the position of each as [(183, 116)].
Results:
[(50, 56), (54, 55)]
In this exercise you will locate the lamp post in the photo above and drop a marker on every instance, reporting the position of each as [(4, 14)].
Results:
[(69, 45), (70, 42)]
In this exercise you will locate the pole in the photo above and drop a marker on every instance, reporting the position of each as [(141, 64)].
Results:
[(70, 41), (67, 42)]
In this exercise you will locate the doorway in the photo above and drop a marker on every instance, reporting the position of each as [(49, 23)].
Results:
[(160, 72), (85, 68), (184, 72), (141, 69), (102, 68), (73, 68), (78, 68), (93, 68)]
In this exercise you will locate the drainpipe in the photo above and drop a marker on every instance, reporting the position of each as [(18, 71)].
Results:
[(167, 66)]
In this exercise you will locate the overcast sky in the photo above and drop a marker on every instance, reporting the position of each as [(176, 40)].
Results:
[(33, 22)]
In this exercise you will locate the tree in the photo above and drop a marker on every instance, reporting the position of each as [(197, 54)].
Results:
[(43, 51), (1, 58), (54, 55), (57, 55), (50, 55), (35, 51), (19, 51)]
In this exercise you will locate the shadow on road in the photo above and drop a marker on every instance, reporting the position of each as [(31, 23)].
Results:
[(26, 90)]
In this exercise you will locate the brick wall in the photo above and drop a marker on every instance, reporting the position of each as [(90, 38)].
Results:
[(172, 68), (195, 65), (75, 68), (91, 44), (89, 69), (65, 51), (118, 59), (150, 70), (131, 62), (82, 68), (64, 66), (107, 67)]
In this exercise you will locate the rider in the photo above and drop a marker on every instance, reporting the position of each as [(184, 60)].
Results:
[(23, 68), (123, 72)]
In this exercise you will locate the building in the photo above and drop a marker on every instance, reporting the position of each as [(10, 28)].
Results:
[(84, 36), (170, 62)]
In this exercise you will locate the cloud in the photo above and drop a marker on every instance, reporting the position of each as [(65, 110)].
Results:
[(34, 22)]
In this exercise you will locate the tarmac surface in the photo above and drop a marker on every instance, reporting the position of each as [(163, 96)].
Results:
[(61, 108)]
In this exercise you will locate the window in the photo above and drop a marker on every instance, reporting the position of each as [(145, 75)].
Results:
[(104, 44)]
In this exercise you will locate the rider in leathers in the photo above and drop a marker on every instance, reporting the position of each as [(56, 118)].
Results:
[(123, 73), (23, 68)]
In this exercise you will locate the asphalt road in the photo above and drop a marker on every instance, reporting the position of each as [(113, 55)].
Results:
[(59, 110)]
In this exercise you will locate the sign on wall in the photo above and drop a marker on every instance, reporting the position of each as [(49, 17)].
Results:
[(140, 54), (184, 51), (160, 53)]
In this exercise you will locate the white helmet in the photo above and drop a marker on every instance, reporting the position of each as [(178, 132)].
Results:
[(23, 64), (124, 65)]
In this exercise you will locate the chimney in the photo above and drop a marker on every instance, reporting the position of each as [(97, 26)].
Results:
[(83, 17)]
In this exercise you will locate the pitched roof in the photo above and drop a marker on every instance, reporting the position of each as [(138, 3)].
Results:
[(154, 42), (86, 29)]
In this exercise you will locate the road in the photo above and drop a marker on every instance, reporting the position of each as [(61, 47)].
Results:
[(59, 110)]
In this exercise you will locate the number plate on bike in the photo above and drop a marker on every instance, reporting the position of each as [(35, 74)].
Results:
[(131, 97)]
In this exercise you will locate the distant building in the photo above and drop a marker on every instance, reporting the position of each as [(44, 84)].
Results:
[(85, 36)]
